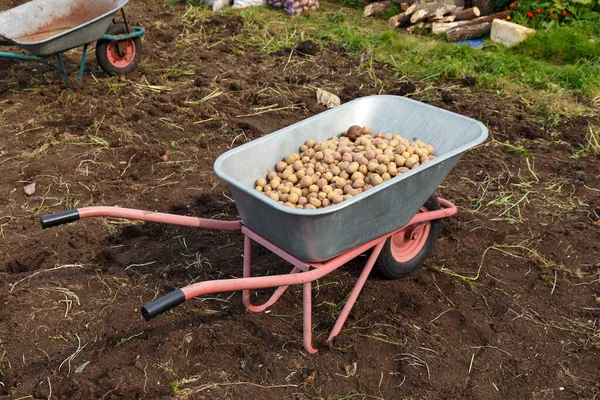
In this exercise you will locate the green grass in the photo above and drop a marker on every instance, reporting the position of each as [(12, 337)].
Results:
[(563, 61)]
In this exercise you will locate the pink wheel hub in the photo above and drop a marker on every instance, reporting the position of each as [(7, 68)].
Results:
[(406, 244), (121, 55)]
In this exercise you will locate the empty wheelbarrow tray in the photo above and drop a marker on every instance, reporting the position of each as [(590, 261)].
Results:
[(48, 28), (398, 219)]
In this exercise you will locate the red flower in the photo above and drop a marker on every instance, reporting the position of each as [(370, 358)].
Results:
[(529, 14), (508, 17), (511, 6), (538, 11), (564, 13), (550, 12)]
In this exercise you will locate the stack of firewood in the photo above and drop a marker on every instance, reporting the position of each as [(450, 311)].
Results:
[(448, 17)]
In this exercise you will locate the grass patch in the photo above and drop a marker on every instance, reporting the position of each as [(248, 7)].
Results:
[(562, 62)]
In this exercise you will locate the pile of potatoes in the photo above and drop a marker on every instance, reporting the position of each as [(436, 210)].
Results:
[(328, 172)]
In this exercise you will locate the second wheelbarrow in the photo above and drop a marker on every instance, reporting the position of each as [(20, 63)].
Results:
[(48, 28)]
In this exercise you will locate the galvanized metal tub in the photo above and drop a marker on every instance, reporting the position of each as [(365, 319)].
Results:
[(318, 235), (46, 27)]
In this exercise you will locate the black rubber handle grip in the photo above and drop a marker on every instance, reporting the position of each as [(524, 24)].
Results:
[(163, 304), (48, 221)]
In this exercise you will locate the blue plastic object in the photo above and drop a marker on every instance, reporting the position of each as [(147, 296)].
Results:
[(474, 43)]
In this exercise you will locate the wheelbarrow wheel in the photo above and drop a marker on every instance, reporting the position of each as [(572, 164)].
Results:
[(405, 251), (118, 57)]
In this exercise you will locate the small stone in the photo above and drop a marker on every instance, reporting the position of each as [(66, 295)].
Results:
[(29, 189), (329, 100)]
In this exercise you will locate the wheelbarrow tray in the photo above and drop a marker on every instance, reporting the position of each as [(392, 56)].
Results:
[(46, 27), (319, 235)]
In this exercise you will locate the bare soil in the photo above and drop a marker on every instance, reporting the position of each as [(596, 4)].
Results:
[(520, 321)]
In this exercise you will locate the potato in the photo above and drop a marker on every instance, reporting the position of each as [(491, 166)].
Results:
[(284, 197), (369, 155), (319, 155), (340, 183), (325, 202), (365, 130), (402, 170), (306, 181), (372, 165), (352, 168), (423, 159), (313, 189), (399, 160), (331, 195), (378, 135), (310, 207), (293, 198), (327, 189), (354, 132), (261, 182), (381, 169), (335, 170), (406, 155), (285, 189), (357, 175), (315, 202), (344, 175), (274, 196), (410, 162), (347, 157), (292, 178), (386, 176), (376, 180), (358, 183), (268, 188), (303, 148), (429, 148), (302, 200), (328, 159), (309, 143), (363, 169), (258, 188), (321, 196), (271, 175), (347, 188), (337, 199)]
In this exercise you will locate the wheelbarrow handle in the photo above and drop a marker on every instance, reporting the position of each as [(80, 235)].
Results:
[(163, 304), (64, 217)]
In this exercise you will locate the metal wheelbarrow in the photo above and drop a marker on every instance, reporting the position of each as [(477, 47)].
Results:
[(398, 220), (48, 28)]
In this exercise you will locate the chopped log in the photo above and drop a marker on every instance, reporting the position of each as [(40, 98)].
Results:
[(399, 20), (376, 8), (439, 28), (467, 14), (412, 8), (467, 32), (431, 10), (420, 26), (487, 18), (447, 18)]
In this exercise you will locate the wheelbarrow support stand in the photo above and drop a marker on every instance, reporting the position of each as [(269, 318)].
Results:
[(302, 273)]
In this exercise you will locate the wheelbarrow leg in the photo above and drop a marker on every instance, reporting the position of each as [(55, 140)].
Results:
[(307, 317), (61, 68), (82, 65), (247, 273), (355, 291)]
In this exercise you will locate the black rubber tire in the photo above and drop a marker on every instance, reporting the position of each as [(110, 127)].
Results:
[(388, 267), (102, 56)]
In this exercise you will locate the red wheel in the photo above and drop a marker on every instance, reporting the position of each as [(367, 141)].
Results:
[(118, 57), (405, 251)]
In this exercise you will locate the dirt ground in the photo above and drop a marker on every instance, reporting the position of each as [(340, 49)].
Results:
[(506, 306)]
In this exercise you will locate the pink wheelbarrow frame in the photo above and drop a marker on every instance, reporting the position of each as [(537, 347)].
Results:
[(302, 273)]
